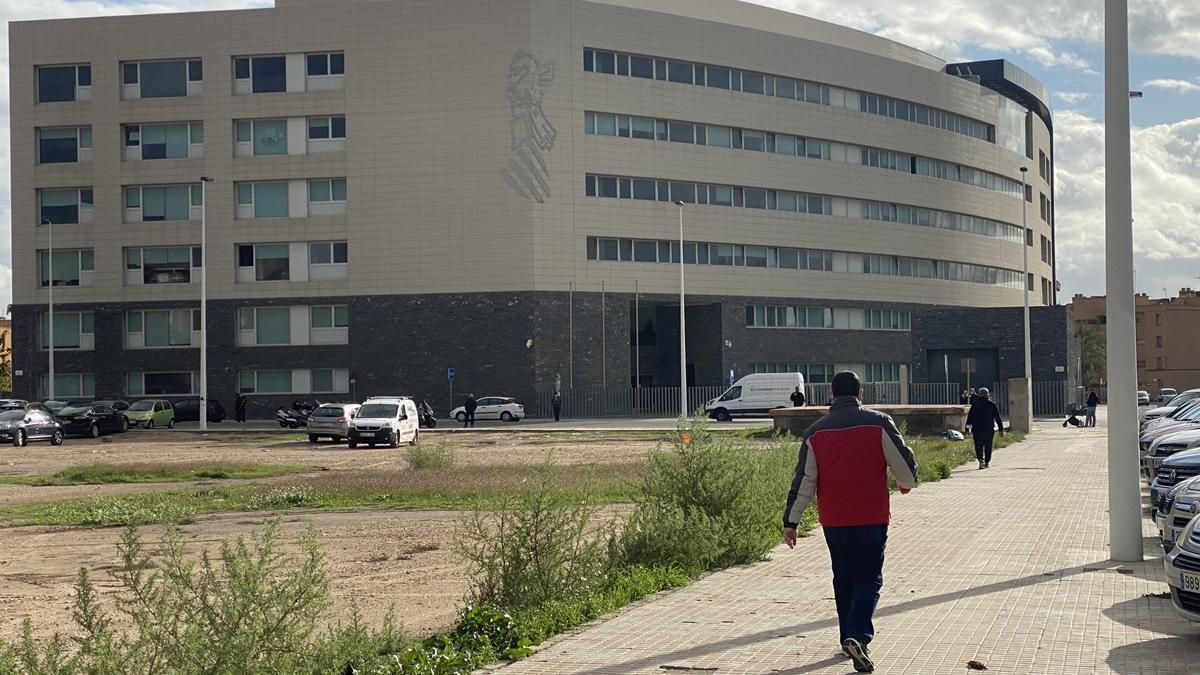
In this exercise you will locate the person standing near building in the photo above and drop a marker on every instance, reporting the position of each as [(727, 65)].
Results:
[(239, 408), (843, 464), (469, 411), (556, 404), (797, 398), (982, 422), (1092, 401)]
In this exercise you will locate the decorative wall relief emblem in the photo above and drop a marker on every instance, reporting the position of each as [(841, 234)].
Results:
[(532, 134)]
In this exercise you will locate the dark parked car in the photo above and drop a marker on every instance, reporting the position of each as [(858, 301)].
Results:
[(22, 426), (13, 404), (116, 404), (55, 405), (92, 420), (188, 410)]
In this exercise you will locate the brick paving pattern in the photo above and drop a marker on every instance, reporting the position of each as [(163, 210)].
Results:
[(1007, 566)]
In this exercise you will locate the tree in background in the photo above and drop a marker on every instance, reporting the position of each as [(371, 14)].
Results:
[(1093, 351)]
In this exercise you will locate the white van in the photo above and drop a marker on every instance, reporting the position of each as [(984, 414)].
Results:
[(385, 420), (755, 395)]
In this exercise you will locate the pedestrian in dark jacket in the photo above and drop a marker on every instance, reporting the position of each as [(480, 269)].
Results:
[(797, 398), (556, 404), (469, 407), (239, 408), (982, 421), (1092, 401), (843, 465)]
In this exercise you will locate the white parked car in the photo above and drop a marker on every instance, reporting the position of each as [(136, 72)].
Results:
[(1183, 569), (493, 408), (1166, 394), (391, 420), (1143, 397), (1165, 446), (1176, 511), (332, 421)]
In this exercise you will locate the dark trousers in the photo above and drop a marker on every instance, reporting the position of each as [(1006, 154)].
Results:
[(557, 412), (469, 419), (983, 447), (857, 555)]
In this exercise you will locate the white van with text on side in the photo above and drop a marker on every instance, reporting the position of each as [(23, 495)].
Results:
[(385, 420), (755, 395)]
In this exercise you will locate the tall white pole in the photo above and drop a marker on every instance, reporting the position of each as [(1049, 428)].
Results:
[(204, 181), (1124, 492), (50, 313), (1025, 278), (683, 389)]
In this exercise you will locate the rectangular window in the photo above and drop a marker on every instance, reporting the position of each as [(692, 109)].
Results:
[(326, 64), (328, 252), (641, 66), (63, 206), (327, 190), (269, 137), (270, 261), (158, 79), (62, 145), (267, 74), (329, 316), (327, 127), (163, 328), (160, 384), (61, 83), (161, 265), (681, 132), (679, 71), (168, 202), (270, 200)]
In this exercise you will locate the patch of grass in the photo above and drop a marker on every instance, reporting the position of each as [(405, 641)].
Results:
[(458, 488), (102, 474), (430, 456), (938, 457)]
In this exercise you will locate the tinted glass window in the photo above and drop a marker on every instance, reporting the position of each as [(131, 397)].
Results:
[(329, 412), (269, 74), (142, 405), (679, 72), (85, 76), (164, 78), (241, 68), (12, 415), (337, 64), (195, 70), (56, 84), (318, 64), (377, 410), (58, 145), (73, 410), (168, 383)]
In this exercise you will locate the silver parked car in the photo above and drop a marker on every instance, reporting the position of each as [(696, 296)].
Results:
[(332, 421)]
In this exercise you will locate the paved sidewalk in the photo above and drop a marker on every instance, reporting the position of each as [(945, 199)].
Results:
[(1007, 566)]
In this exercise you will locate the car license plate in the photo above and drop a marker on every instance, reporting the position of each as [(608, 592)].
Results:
[(366, 434), (1189, 582)]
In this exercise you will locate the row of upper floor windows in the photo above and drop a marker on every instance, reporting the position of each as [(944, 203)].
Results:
[(737, 138), (185, 140), (185, 77), (752, 82), (652, 189), (153, 265), (185, 383), (780, 257), (788, 316), (300, 198)]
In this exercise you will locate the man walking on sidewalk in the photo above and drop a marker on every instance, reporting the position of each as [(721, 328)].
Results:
[(982, 421), (843, 464)]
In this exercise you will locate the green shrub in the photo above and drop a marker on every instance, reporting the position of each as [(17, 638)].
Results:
[(708, 502), (429, 456), (537, 546)]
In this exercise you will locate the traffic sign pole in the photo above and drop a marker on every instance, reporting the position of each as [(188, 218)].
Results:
[(450, 376)]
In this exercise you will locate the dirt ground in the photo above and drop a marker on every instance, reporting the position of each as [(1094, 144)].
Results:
[(404, 560)]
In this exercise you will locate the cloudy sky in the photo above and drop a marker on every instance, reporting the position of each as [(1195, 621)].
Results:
[(1059, 41)]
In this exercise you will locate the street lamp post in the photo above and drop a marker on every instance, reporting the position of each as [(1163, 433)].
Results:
[(204, 181), (50, 310), (683, 393), (1025, 279), (1124, 495)]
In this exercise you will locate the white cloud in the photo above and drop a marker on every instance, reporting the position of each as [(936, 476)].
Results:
[(14, 10), (1073, 97), (1166, 203), (1178, 86)]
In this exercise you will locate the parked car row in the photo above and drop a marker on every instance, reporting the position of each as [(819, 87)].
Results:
[(1169, 446), (23, 421), (389, 420)]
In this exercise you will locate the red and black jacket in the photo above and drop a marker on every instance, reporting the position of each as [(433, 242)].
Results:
[(843, 464)]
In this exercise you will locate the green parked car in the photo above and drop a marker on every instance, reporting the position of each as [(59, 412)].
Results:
[(150, 413)]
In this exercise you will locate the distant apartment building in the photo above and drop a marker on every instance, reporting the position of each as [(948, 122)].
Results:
[(408, 187), (1168, 333)]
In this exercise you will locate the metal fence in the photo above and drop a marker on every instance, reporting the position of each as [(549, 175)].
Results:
[(1050, 398), (581, 402)]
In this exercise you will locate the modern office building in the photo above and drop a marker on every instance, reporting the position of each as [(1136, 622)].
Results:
[(1168, 330), (402, 187)]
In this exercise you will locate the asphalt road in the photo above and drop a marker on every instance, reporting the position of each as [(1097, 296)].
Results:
[(601, 424)]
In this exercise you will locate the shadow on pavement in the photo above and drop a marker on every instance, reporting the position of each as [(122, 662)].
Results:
[(1162, 656), (919, 603), (1145, 613), (819, 665)]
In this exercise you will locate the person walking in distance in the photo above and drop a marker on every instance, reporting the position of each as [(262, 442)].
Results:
[(556, 404), (239, 408), (1092, 401), (982, 421), (469, 411), (843, 464), (797, 398)]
